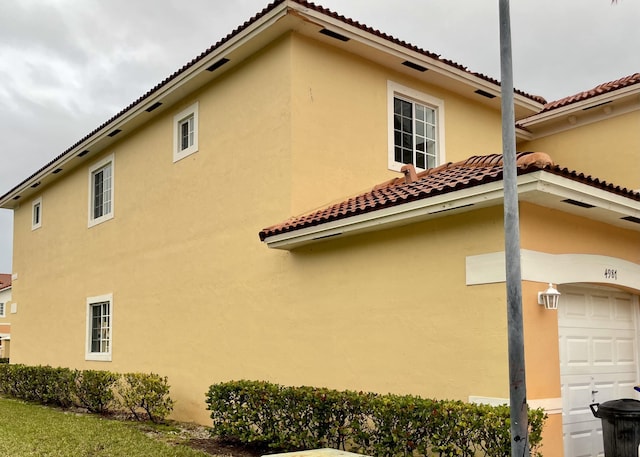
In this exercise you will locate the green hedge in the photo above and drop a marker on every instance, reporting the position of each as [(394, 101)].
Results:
[(4, 360), (144, 396), (292, 418)]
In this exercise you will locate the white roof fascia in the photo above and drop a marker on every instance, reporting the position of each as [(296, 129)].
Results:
[(404, 53), (600, 198), (466, 200), (388, 217), (579, 106), (581, 121), (523, 134)]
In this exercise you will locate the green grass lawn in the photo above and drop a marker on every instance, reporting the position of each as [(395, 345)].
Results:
[(33, 430)]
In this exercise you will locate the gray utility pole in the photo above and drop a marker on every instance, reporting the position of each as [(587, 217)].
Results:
[(517, 381)]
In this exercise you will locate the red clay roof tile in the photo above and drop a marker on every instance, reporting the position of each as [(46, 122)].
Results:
[(5, 280), (436, 181), (598, 90)]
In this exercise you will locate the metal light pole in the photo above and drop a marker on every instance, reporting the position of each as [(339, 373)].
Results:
[(517, 382)]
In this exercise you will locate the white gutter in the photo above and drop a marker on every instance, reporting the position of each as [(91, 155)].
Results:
[(530, 185), (389, 217), (580, 106)]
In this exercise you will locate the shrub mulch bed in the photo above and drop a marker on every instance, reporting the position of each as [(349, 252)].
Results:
[(219, 448)]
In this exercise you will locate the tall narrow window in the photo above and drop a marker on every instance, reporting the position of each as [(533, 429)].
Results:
[(99, 327), (36, 213), (1, 309), (185, 137), (101, 191), (186, 133), (416, 128)]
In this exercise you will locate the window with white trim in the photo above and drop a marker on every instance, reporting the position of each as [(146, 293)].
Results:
[(99, 327), (185, 132), (101, 187), (416, 128), (36, 213)]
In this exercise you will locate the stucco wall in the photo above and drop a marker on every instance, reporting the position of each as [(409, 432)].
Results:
[(555, 232)]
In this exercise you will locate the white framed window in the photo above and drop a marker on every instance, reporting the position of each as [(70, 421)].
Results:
[(99, 328), (101, 188), (416, 128), (2, 311), (36, 213), (185, 132)]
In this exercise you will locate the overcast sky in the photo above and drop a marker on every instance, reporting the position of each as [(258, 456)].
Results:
[(66, 66)]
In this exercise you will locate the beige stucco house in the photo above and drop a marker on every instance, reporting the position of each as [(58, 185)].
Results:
[(250, 218), (5, 321)]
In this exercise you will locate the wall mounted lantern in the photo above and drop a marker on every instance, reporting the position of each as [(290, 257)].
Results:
[(549, 298)]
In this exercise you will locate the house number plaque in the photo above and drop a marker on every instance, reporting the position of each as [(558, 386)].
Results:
[(610, 273)]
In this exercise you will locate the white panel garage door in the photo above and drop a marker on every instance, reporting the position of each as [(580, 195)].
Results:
[(598, 355)]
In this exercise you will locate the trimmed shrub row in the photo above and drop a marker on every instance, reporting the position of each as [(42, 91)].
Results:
[(144, 396), (4, 360), (293, 418)]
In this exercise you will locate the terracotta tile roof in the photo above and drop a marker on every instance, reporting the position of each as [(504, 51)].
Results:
[(598, 90), (236, 32), (5, 280), (446, 178)]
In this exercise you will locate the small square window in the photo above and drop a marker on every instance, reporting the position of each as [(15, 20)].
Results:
[(416, 128), (185, 133), (99, 327), (101, 184), (36, 213)]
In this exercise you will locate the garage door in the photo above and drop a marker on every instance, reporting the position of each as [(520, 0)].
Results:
[(598, 360)]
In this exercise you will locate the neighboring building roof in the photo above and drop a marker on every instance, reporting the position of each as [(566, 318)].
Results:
[(295, 7), (5, 281), (433, 182), (598, 90)]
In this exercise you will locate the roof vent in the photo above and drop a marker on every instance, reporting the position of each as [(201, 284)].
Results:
[(218, 64), (83, 153), (335, 35), (56, 171), (484, 93), (415, 66), (577, 203), (35, 184), (152, 107), (595, 106), (451, 208), (327, 236), (114, 133), (16, 197), (631, 219)]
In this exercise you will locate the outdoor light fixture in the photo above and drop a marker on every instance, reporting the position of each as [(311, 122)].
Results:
[(549, 298)]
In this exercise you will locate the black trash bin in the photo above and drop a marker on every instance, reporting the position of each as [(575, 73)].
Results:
[(620, 426)]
